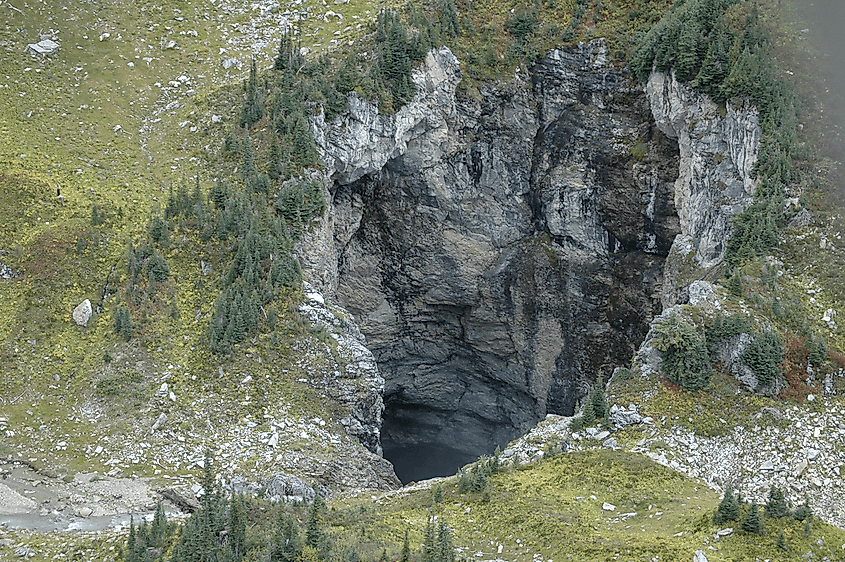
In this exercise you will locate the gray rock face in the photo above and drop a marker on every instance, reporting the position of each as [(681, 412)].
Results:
[(717, 153), (499, 247), (359, 385)]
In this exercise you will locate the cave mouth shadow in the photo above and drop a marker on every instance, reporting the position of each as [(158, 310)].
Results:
[(425, 442), (415, 462)]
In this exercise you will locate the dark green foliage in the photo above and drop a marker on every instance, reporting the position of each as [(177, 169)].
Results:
[(97, 216), (261, 268), (736, 63), (776, 504), (476, 479), (237, 527), (807, 529), (444, 552), (299, 202), (571, 28), (219, 193), (147, 543), (231, 144), (685, 358), (816, 348), (287, 543), (451, 27), (597, 401), (437, 542), (157, 268), (158, 231), (803, 512), (288, 58), (781, 544), (681, 39), (728, 509), (304, 150), (406, 549), (588, 417), (722, 328), (752, 522), (429, 546), (764, 355), (252, 111), (521, 24), (735, 285), (397, 51), (123, 322), (315, 534), (437, 494)]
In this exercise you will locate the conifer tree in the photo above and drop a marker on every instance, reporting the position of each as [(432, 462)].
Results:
[(252, 111), (237, 526), (776, 505), (314, 534), (284, 60), (445, 552), (429, 551), (158, 528), (803, 512), (752, 522), (782, 541), (597, 401), (123, 322), (131, 542), (589, 416), (728, 509), (450, 19), (288, 544)]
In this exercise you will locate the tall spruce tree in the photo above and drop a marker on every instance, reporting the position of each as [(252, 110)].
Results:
[(287, 544), (406, 549), (252, 111), (315, 535)]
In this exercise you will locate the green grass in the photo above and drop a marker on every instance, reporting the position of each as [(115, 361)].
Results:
[(554, 509)]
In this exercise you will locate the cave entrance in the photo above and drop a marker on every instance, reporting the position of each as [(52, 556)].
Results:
[(413, 463), (424, 442)]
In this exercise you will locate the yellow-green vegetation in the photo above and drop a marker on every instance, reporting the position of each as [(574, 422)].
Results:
[(122, 118), (589, 505)]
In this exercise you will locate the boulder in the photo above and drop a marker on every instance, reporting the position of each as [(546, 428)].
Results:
[(82, 313), (159, 423), (287, 487)]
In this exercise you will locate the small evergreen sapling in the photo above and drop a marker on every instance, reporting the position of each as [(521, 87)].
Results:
[(776, 504), (728, 509), (782, 542), (803, 512), (752, 522)]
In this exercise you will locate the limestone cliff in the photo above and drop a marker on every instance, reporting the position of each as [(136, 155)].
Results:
[(501, 247), (718, 148)]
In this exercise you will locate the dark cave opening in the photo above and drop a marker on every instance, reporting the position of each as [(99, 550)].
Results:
[(424, 443), (413, 463)]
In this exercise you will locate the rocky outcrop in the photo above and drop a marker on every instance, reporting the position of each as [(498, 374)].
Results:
[(718, 149), (499, 247), (358, 385)]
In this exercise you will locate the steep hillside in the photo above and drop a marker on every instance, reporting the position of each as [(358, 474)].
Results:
[(254, 248)]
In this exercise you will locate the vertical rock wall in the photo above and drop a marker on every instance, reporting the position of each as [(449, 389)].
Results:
[(502, 247)]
